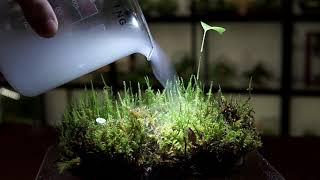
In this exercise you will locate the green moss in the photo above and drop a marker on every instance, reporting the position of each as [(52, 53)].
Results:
[(152, 128)]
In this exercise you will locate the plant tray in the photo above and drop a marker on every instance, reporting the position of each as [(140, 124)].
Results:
[(255, 167)]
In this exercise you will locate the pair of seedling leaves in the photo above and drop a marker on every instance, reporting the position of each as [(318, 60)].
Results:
[(220, 30), (207, 28)]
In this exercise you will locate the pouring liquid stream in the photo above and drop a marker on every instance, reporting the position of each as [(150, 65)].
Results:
[(162, 66)]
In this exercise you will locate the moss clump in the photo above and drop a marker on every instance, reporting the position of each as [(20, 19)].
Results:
[(182, 127)]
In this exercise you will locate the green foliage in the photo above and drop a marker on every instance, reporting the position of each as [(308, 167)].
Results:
[(152, 128), (207, 28)]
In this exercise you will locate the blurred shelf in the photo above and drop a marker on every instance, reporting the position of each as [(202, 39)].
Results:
[(311, 93), (248, 18), (170, 19), (306, 18), (272, 18)]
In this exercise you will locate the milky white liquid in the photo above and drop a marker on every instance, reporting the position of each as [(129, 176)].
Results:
[(33, 65)]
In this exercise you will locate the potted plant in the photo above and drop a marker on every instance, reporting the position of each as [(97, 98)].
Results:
[(159, 7), (185, 131), (180, 132)]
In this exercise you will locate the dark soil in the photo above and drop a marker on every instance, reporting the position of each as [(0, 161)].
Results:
[(253, 167)]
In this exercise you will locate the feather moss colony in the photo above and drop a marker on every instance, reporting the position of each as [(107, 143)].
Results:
[(183, 130)]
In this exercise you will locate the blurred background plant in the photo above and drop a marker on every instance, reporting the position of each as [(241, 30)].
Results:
[(266, 6), (204, 7), (185, 67), (260, 74), (25, 111), (311, 7), (155, 8), (167, 7), (223, 72), (138, 75)]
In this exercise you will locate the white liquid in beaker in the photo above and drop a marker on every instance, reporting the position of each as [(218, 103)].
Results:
[(91, 37), (34, 66)]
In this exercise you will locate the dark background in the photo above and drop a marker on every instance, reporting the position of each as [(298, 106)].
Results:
[(276, 42)]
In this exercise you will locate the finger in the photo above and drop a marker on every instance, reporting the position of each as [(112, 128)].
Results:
[(40, 16)]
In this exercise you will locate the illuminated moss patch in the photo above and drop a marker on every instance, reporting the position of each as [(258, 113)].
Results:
[(153, 128)]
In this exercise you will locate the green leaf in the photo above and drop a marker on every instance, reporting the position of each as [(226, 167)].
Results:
[(207, 27)]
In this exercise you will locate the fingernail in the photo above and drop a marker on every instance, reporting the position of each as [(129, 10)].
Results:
[(50, 28), (46, 28)]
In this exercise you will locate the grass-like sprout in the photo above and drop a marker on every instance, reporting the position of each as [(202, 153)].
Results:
[(181, 126)]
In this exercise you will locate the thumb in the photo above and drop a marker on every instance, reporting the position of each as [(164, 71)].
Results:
[(40, 16)]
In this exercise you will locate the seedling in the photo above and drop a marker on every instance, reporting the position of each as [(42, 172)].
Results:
[(207, 28)]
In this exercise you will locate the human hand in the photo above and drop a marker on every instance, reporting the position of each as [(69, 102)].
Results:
[(40, 16)]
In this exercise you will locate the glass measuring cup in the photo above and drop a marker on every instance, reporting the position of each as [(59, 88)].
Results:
[(91, 34)]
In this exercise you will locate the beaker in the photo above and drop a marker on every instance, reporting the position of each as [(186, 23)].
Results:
[(91, 34)]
